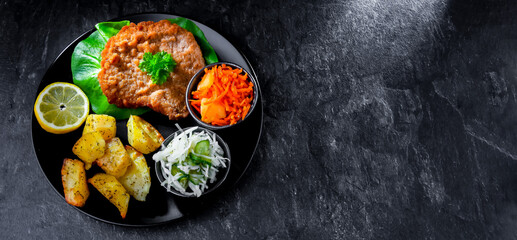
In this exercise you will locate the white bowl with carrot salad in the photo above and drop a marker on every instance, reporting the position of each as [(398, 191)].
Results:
[(221, 95)]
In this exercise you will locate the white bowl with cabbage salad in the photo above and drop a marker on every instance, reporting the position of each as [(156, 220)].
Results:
[(191, 160)]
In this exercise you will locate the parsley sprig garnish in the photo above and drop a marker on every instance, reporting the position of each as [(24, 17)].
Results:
[(158, 66)]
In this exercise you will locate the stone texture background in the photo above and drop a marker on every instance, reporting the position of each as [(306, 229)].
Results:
[(382, 119)]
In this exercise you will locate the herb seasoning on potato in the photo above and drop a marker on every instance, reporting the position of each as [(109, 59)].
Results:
[(116, 160), (89, 147), (111, 189), (104, 124), (142, 135), (137, 179), (75, 187)]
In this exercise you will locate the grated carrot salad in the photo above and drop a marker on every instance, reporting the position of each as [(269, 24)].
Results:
[(223, 96)]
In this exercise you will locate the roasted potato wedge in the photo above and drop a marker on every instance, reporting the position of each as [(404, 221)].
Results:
[(111, 189), (89, 147), (116, 160), (75, 187), (103, 124), (142, 135), (137, 179)]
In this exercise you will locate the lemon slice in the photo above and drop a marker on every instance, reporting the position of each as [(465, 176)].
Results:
[(61, 107)]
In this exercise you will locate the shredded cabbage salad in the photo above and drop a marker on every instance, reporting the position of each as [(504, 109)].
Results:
[(190, 160)]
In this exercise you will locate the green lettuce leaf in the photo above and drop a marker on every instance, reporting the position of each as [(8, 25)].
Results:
[(86, 60), (110, 29)]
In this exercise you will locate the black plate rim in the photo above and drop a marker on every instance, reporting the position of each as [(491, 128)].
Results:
[(157, 223)]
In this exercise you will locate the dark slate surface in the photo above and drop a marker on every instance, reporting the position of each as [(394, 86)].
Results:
[(383, 119)]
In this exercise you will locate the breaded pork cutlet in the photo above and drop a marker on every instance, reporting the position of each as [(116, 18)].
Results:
[(125, 85)]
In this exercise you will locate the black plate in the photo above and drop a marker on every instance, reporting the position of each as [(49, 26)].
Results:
[(160, 207)]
